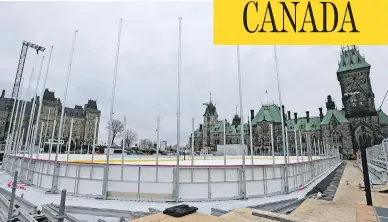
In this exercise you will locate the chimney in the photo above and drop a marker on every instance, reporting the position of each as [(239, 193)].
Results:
[(2, 93), (289, 115), (284, 115), (296, 117), (308, 116), (320, 113), (252, 114), (200, 127)]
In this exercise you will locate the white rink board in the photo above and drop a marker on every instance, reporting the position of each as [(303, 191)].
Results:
[(139, 178)]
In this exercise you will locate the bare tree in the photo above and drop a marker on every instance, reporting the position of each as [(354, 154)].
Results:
[(116, 129), (130, 136), (146, 144)]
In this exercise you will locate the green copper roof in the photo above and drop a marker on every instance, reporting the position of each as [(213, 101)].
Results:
[(219, 127), (351, 59), (337, 114), (235, 129), (383, 118), (270, 113), (302, 124)]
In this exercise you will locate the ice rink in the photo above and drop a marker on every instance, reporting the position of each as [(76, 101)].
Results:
[(171, 160)]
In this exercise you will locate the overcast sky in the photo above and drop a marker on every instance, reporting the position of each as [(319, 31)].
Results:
[(147, 72)]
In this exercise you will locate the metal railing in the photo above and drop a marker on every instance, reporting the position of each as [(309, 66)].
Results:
[(159, 183), (377, 157)]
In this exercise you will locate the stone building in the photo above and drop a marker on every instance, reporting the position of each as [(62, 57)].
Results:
[(337, 128), (83, 118)]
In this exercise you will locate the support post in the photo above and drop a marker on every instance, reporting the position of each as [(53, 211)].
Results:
[(94, 139), (224, 142), (12, 201), (365, 170), (40, 140), (52, 138), (69, 145), (301, 146), (251, 140), (61, 213), (157, 139), (272, 145), (125, 139), (192, 142), (296, 146)]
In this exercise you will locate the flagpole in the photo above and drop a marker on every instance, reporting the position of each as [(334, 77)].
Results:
[(35, 134), (241, 123), (178, 108), (24, 109), (224, 141), (14, 130), (283, 125), (7, 145), (53, 185), (106, 167)]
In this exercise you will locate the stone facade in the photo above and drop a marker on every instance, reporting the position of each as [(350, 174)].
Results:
[(83, 118), (337, 128)]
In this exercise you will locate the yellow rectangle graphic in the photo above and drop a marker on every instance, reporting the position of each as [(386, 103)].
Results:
[(337, 22)]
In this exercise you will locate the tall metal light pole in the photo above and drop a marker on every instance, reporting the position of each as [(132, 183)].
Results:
[(106, 167), (241, 123), (283, 129), (178, 115)]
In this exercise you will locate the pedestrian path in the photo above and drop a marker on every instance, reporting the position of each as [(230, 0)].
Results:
[(348, 204)]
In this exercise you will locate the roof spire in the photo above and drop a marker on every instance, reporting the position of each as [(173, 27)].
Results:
[(210, 101), (236, 111)]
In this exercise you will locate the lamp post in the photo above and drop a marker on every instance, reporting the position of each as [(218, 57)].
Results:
[(363, 140)]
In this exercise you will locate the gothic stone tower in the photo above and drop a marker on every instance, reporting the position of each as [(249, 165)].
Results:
[(353, 75), (209, 121)]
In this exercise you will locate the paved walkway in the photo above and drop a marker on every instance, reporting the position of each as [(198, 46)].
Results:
[(348, 204)]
